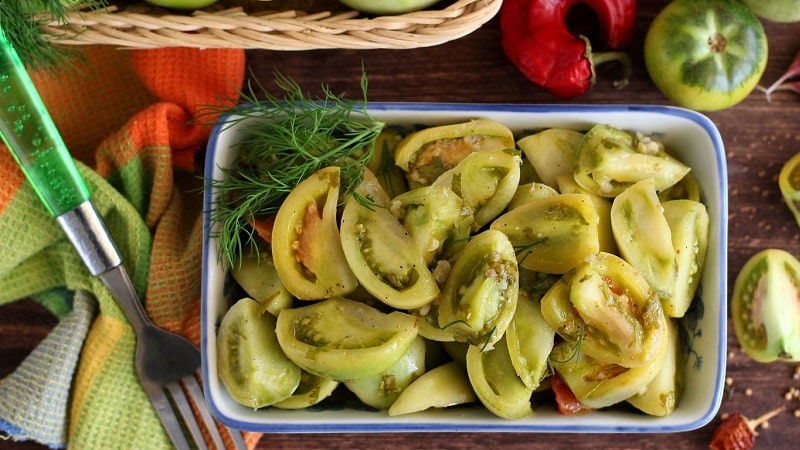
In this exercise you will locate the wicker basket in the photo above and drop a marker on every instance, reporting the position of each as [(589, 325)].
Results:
[(299, 25)]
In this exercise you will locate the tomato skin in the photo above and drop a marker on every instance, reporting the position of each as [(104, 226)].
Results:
[(706, 55)]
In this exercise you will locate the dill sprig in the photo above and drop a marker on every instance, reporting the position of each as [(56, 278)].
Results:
[(288, 140), (21, 19)]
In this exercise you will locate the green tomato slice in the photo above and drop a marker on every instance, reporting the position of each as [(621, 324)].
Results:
[(431, 151), (568, 185), (789, 185), (487, 181), (663, 393), (765, 306), (552, 152), (343, 339), (643, 235), (599, 384), (606, 306), (496, 383), (312, 390), (443, 386), (256, 274), (436, 218), (530, 191), (610, 160), (480, 295), (380, 251), (552, 234), (250, 362), (688, 223), (530, 340), (306, 247), (382, 390)]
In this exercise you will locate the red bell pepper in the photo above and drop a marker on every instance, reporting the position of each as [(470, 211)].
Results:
[(535, 37)]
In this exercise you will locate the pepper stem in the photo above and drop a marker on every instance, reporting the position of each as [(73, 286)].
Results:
[(620, 57)]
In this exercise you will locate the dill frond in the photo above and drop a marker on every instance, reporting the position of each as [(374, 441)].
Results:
[(293, 137)]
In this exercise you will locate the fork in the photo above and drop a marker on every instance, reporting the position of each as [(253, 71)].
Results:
[(166, 363)]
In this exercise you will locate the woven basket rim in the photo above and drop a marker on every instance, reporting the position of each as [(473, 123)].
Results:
[(275, 30)]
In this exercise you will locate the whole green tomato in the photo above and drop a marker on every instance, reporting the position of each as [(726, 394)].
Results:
[(776, 10), (706, 55), (182, 4), (388, 6)]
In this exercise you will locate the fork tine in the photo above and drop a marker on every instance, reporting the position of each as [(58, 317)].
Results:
[(168, 418), (193, 387), (179, 397)]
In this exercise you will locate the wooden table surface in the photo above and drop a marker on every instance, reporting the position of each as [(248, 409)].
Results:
[(759, 137)]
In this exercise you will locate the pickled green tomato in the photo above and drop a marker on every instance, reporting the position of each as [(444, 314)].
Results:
[(428, 153), (256, 274), (306, 247), (382, 390), (607, 309), (663, 393), (496, 383), (567, 185), (486, 180), (765, 306), (312, 390), (599, 384), (436, 218), (530, 191), (552, 152), (343, 339), (250, 362), (610, 160), (440, 387), (390, 177), (688, 222), (530, 340), (643, 235), (380, 251), (552, 234), (480, 295)]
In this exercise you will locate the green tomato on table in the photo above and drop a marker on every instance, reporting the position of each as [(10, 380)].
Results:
[(776, 10), (388, 6), (706, 55)]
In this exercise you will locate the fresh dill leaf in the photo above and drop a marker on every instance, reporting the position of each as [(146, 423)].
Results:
[(286, 140), (21, 21)]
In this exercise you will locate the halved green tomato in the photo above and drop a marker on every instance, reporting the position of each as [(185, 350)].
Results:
[(480, 295), (486, 180), (688, 223), (256, 274), (789, 184), (250, 362), (610, 160), (567, 185), (428, 153), (643, 235), (305, 240), (380, 251), (443, 386), (343, 339), (552, 152), (312, 390), (530, 191), (610, 309), (598, 384), (530, 340), (662, 395), (765, 306), (496, 383), (552, 234), (686, 189), (437, 219), (391, 177), (382, 390)]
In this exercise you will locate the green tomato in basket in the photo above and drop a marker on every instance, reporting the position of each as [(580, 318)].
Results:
[(388, 6), (706, 55), (776, 10), (182, 4)]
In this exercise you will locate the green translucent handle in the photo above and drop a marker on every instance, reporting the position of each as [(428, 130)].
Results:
[(29, 132)]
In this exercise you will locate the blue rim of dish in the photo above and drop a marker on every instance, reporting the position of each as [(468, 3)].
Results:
[(306, 426)]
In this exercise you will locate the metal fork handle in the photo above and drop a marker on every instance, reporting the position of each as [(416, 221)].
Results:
[(86, 230)]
